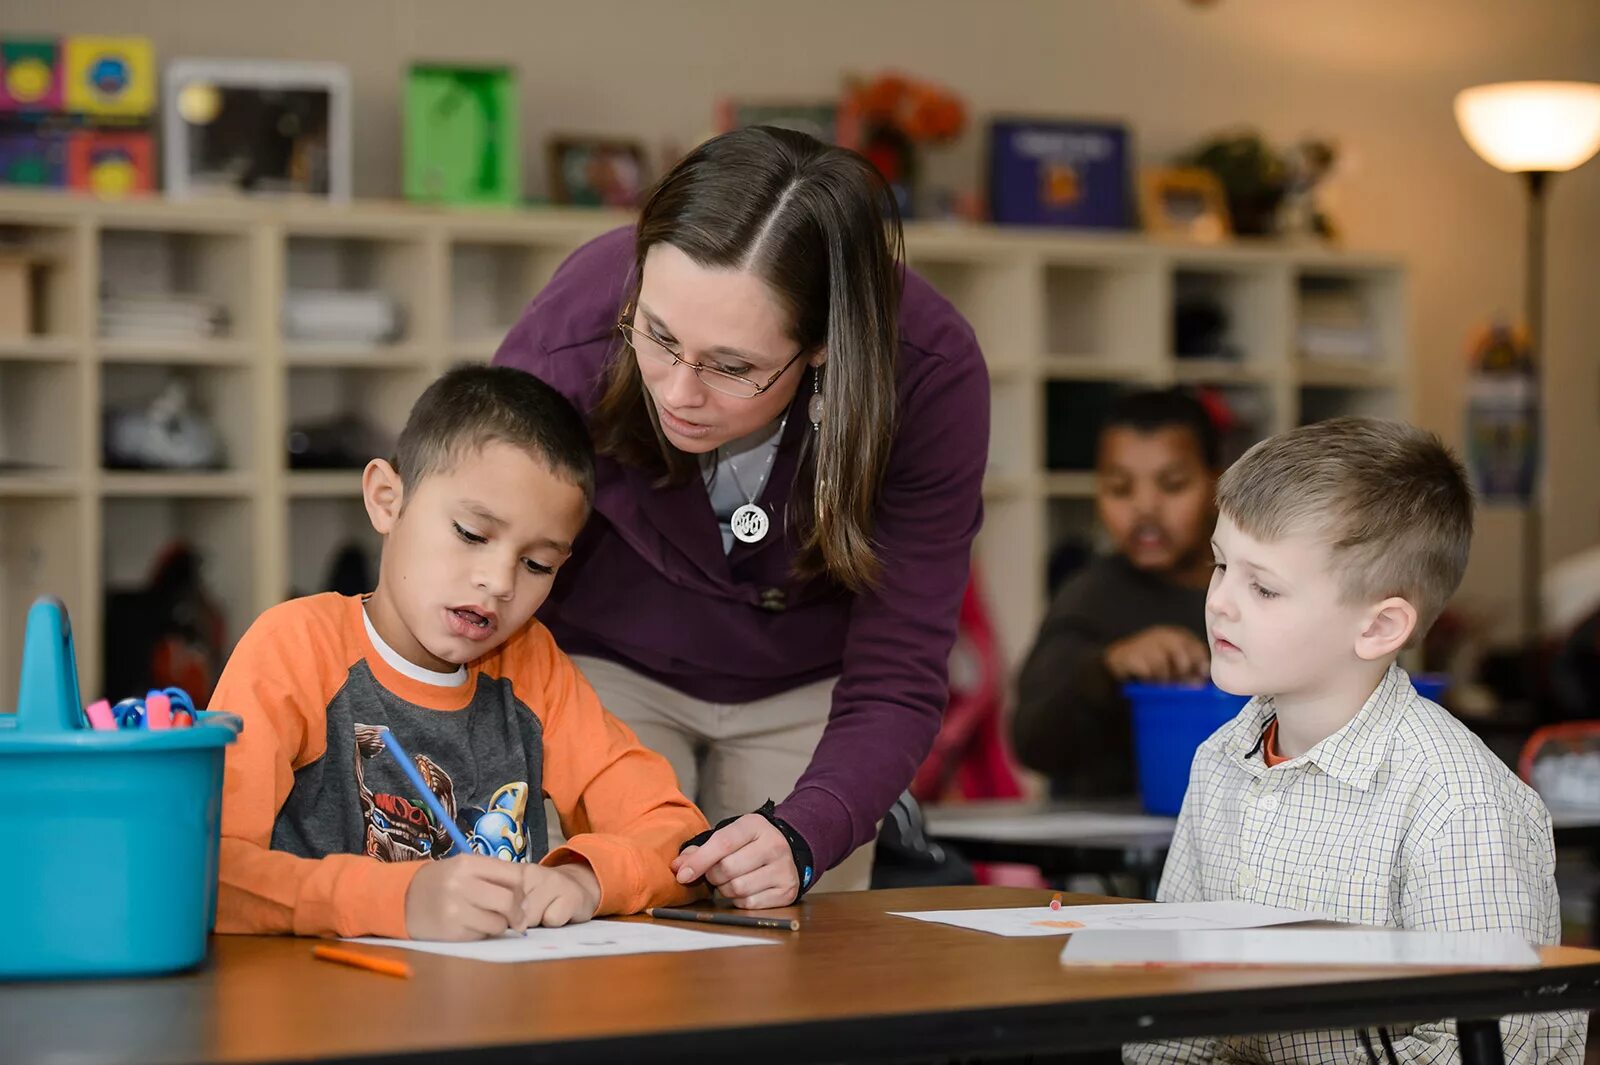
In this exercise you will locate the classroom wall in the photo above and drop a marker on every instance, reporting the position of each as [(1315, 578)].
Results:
[(1378, 76)]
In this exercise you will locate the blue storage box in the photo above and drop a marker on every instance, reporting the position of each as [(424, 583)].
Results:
[(1430, 686), (111, 837), (1170, 722)]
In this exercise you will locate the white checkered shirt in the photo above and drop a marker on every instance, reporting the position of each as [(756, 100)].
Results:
[(1403, 818)]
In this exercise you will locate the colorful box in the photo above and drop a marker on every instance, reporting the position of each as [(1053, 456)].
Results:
[(111, 164), (110, 76), (30, 76), (36, 159), (1059, 172)]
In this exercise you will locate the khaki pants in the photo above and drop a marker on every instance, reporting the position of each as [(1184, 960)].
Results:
[(730, 758)]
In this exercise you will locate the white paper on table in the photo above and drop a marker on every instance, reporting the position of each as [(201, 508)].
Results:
[(1302, 946), (1062, 825), (1171, 916), (593, 939)]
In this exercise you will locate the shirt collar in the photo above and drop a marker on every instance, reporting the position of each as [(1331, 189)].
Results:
[(1353, 754)]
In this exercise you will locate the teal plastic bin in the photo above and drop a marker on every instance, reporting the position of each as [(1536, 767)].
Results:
[(111, 837), (1170, 722)]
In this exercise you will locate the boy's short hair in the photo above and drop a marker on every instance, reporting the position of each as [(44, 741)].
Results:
[(470, 407), (1391, 501), (1149, 411)]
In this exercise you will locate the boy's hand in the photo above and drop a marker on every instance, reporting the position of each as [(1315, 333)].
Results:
[(469, 896), (1159, 653), (559, 895)]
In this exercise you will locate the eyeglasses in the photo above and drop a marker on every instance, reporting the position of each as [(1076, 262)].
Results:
[(647, 346)]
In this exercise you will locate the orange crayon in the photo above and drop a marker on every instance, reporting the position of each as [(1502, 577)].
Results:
[(356, 959)]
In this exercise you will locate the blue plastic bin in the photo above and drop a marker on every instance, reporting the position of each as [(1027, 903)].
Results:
[(1170, 722), (111, 837), (1430, 685)]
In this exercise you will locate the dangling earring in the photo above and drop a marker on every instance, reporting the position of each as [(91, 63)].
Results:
[(814, 408)]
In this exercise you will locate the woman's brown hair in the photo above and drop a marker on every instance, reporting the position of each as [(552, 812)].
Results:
[(818, 224)]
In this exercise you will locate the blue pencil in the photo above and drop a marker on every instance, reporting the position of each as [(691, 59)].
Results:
[(409, 768)]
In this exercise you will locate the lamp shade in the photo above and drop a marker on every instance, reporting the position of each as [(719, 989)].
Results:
[(1531, 125)]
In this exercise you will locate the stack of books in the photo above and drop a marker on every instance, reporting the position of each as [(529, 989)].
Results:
[(161, 317), (1334, 324), (337, 316)]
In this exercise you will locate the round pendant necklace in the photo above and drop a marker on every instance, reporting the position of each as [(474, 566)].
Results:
[(750, 522)]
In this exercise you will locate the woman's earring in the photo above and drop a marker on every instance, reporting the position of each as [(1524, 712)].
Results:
[(814, 408)]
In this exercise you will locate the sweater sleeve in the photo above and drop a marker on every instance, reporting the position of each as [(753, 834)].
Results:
[(618, 801), (1071, 721), (284, 708), (894, 683)]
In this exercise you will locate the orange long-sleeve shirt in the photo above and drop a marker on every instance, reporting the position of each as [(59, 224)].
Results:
[(322, 832)]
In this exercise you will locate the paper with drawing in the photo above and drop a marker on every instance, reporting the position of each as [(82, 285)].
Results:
[(594, 939), (1168, 916)]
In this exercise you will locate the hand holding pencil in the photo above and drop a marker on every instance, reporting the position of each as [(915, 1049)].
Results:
[(470, 896)]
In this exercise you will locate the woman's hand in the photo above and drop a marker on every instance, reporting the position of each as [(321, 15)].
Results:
[(748, 862)]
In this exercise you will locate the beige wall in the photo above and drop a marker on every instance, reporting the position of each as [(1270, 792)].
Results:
[(1378, 75)]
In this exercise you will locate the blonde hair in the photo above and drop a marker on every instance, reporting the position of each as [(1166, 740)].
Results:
[(1390, 500)]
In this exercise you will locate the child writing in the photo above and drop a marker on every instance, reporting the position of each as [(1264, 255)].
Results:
[(1135, 615), (1338, 789), (322, 831)]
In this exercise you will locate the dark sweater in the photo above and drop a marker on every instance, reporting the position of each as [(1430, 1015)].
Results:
[(649, 585), (1071, 721)]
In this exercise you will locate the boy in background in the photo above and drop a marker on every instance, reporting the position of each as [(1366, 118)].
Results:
[(1137, 614), (322, 832), (1338, 789)]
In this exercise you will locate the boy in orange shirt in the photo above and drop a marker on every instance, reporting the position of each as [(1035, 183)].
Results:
[(322, 832)]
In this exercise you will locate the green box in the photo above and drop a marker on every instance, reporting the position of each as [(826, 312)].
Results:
[(461, 141)]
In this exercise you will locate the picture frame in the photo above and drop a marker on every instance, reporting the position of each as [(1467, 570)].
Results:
[(829, 121), (1186, 202), (589, 171), (1059, 172), (461, 134), (257, 127)]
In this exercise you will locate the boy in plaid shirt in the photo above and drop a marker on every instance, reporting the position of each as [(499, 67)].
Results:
[(1338, 789)]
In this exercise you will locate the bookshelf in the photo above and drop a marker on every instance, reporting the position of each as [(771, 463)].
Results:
[(1065, 319)]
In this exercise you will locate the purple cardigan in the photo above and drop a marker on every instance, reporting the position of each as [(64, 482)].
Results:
[(649, 586)]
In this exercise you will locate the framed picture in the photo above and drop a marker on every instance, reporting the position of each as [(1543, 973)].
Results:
[(826, 120), (461, 135), (596, 171), (257, 126), (1058, 172), (1186, 201)]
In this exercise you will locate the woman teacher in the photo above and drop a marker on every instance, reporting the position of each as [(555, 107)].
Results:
[(792, 431)]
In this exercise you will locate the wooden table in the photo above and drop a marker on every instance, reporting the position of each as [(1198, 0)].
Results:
[(854, 985)]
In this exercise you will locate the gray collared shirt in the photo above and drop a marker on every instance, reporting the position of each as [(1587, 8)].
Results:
[(1401, 819)]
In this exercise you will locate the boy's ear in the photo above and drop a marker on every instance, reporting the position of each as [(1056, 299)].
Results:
[(1389, 627), (383, 493)]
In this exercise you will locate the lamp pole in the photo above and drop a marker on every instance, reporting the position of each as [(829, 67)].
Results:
[(1533, 315)]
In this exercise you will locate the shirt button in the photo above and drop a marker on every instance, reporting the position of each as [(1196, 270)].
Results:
[(1268, 803), (1247, 877)]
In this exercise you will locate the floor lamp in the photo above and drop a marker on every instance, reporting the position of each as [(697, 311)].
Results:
[(1536, 129)]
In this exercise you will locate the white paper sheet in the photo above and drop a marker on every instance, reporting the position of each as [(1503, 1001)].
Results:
[(594, 939), (1302, 946), (1043, 921), (1050, 827)]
